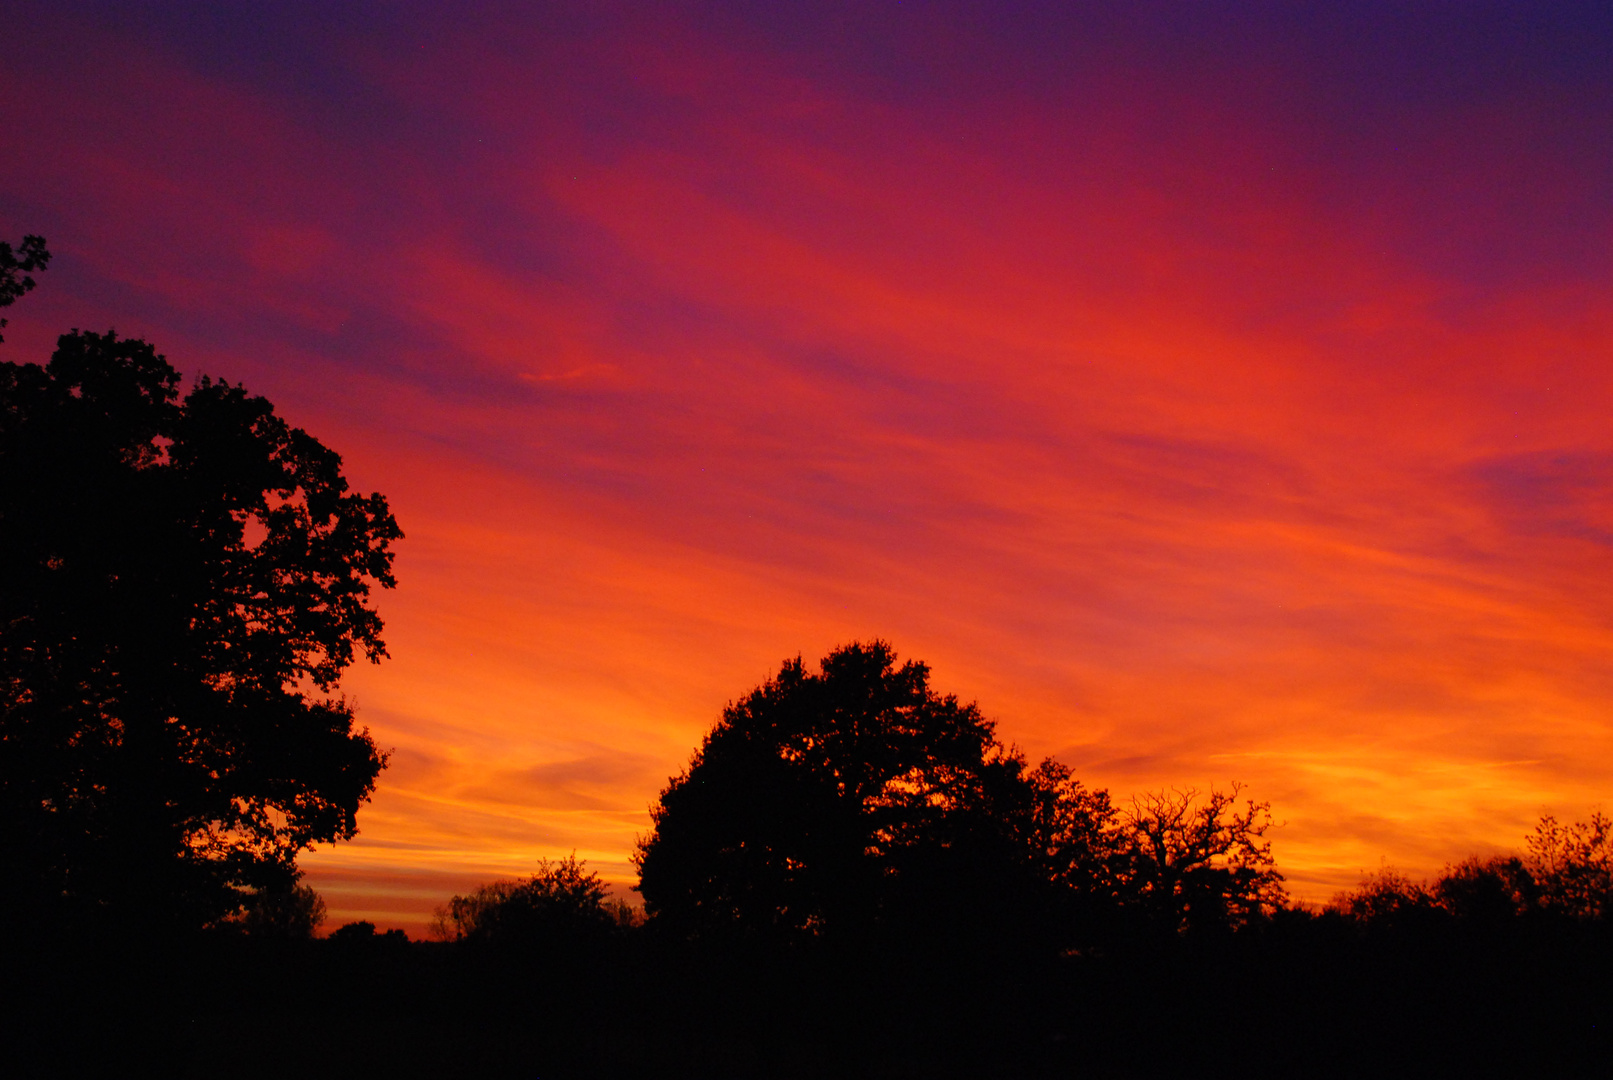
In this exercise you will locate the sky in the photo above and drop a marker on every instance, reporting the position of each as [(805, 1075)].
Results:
[(1214, 393)]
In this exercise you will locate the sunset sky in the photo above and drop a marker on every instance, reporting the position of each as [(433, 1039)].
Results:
[(1213, 392)]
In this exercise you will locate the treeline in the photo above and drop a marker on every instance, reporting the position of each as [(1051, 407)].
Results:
[(854, 804), (1562, 882), (854, 878), (855, 800), (1564, 875)]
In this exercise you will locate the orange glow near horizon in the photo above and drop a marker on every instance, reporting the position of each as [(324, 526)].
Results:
[(1199, 426)]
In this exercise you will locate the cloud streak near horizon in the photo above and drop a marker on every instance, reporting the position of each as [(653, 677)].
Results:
[(1212, 397)]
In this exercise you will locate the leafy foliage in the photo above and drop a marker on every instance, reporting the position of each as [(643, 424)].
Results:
[(17, 266), (1385, 898), (1573, 865), (830, 800), (363, 934), (858, 796), (286, 913), (182, 582)]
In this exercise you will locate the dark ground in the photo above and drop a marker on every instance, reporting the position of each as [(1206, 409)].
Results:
[(1317, 999)]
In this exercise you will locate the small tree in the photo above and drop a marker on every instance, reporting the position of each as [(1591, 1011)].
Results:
[(1073, 831), (562, 902), (288, 913), (1387, 898), (461, 918), (1486, 892), (1567, 870)]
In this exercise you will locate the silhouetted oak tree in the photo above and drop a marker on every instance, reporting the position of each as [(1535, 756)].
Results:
[(182, 582), (831, 800), (1196, 863)]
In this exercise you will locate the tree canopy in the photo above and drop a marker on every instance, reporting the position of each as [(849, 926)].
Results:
[(857, 795), (562, 903), (1197, 862), (16, 269), (183, 580), (821, 798)]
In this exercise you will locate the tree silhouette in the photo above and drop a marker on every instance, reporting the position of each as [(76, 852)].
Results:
[(16, 266), (1486, 893), (1078, 849), (1196, 863), (562, 903), (839, 799), (1385, 899), (1573, 865), (287, 913), (182, 583), (1565, 874)]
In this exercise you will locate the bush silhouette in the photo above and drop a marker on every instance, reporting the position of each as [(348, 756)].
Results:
[(562, 903)]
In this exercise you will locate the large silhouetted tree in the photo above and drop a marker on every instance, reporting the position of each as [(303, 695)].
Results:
[(856, 797), (842, 798), (182, 582)]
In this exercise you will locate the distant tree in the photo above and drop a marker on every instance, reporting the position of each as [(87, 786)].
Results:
[(354, 931), (830, 802), (364, 935), (1195, 862), (182, 582), (16, 266), (288, 913), (1072, 829), (1478, 892), (1384, 899), (626, 916), (842, 798), (563, 902)]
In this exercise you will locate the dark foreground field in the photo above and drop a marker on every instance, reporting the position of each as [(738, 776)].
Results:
[(1312, 999)]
